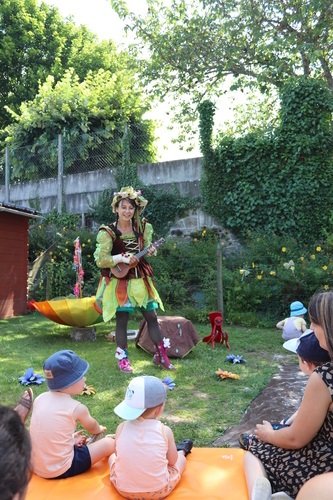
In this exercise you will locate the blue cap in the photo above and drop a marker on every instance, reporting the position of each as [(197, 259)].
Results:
[(63, 369), (307, 346), (297, 308)]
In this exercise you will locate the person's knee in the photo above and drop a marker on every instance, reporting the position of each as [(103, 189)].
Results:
[(320, 486)]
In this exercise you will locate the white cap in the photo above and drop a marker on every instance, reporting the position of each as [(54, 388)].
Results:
[(142, 393)]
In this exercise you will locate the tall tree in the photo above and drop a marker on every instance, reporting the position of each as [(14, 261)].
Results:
[(192, 46), (35, 42)]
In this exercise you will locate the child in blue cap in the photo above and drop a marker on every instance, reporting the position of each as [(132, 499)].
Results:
[(295, 325), (57, 450)]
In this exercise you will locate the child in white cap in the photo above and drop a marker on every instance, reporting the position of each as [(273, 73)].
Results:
[(147, 463), (295, 325), (57, 450)]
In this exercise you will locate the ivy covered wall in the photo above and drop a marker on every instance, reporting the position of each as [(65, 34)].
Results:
[(280, 181)]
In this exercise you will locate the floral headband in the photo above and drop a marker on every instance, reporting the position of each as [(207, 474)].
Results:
[(131, 194)]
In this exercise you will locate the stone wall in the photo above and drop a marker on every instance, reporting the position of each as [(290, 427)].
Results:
[(81, 191)]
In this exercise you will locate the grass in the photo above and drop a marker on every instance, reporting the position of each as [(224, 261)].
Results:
[(201, 406)]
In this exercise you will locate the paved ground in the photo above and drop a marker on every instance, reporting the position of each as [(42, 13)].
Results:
[(279, 399)]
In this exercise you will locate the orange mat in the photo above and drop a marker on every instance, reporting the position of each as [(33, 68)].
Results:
[(211, 474)]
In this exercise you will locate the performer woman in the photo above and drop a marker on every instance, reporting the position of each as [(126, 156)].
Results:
[(118, 243)]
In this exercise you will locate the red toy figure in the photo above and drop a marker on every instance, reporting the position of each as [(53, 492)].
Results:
[(217, 335)]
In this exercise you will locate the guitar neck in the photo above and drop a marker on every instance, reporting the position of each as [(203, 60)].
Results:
[(145, 250), (142, 253)]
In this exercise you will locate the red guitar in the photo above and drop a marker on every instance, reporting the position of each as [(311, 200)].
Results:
[(120, 270)]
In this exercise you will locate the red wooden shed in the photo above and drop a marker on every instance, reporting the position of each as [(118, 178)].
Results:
[(14, 233)]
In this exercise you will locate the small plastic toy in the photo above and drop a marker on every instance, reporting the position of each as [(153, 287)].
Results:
[(217, 335), (224, 374), (31, 378), (235, 359)]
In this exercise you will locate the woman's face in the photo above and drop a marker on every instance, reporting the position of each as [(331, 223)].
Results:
[(125, 210), (319, 333)]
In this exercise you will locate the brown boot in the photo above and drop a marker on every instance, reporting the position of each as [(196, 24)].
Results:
[(161, 357)]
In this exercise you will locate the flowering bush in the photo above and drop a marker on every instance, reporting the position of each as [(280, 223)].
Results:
[(259, 281)]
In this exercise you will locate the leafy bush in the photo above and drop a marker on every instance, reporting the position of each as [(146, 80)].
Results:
[(55, 237), (259, 281)]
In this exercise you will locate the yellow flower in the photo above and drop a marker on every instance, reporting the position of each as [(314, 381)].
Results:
[(89, 241), (52, 260), (313, 257), (203, 232), (259, 277), (325, 268), (326, 287), (66, 249), (301, 258), (252, 265), (66, 243), (318, 249), (283, 249), (272, 273), (83, 244), (51, 253), (175, 246), (292, 268)]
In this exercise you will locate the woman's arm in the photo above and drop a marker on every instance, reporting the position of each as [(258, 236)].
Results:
[(172, 453), (102, 254), (308, 421)]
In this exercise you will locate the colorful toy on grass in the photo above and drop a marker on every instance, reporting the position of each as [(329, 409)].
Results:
[(169, 383), (31, 378), (223, 374), (217, 335), (88, 390), (235, 359)]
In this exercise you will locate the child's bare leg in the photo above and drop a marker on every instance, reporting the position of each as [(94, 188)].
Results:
[(101, 449), (256, 478), (111, 459), (181, 462)]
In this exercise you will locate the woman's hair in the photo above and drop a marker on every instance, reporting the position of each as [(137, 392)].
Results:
[(15, 452), (320, 311), (132, 202)]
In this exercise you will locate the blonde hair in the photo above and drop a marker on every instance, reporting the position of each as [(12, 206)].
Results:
[(320, 311)]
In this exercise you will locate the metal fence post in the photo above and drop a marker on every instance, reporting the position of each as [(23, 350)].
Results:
[(60, 172), (219, 277), (7, 174)]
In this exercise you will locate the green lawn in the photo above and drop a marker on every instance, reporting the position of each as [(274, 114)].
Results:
[(201, 406)]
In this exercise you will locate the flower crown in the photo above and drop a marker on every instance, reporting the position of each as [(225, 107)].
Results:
[(131, 194)]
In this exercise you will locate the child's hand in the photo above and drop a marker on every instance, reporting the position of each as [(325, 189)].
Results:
[(79, 438), (102, 429)]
